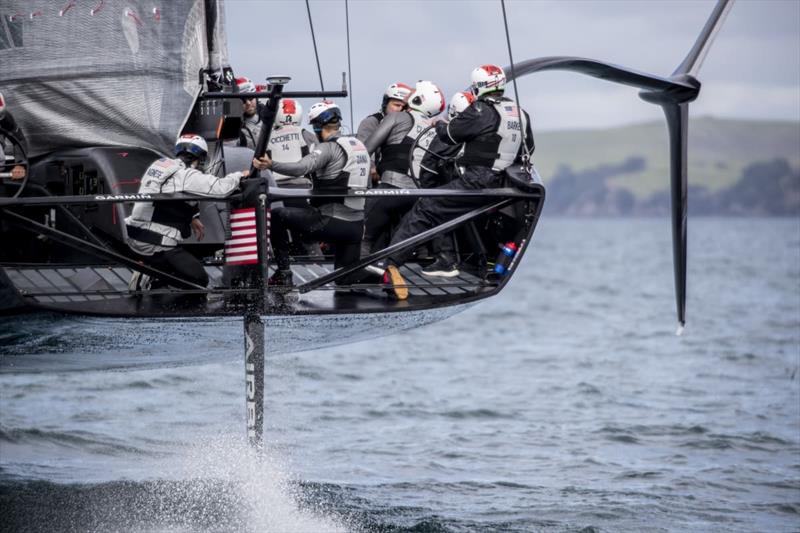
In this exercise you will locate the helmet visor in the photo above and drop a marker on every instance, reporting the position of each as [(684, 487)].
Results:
[(191, 148)]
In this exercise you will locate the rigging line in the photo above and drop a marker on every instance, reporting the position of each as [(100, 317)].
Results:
[(314, 40), (349, 72), (514, 79)]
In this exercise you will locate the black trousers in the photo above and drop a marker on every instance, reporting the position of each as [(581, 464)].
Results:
[(179, 263), (430, 212), (381, 213), (309, 224)]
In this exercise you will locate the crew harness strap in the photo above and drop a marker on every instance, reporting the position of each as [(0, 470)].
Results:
[(149, 236)]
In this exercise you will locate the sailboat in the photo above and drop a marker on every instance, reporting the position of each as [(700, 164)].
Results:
[(99, 90)]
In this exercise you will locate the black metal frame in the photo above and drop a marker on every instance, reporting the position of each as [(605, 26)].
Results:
[(97, 251), (506, 197)]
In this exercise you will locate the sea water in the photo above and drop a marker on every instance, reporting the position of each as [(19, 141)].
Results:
[(566, 403)]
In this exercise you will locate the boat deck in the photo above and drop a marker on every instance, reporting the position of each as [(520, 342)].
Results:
[(103, 290)]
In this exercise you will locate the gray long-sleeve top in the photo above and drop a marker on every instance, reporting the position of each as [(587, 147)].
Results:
[(326, 161), (368, 126), (392, 130)]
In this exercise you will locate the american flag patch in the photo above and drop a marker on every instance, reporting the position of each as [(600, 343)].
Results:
[(511, 110), (242, 248)]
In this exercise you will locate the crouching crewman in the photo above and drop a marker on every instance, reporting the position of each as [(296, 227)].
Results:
[(156, 229)]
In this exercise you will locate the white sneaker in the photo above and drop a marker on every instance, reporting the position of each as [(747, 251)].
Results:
[(139, 282), (441, 268)]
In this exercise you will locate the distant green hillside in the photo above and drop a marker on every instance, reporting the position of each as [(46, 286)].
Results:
[(719, 150)]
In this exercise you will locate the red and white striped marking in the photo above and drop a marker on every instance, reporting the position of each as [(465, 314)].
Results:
[(242, 248)]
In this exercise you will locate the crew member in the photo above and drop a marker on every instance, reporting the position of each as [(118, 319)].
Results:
[(438, 168), (394, 100), (336, 164), (394, 138), (8, 129), (251, 121), (438, 161), (156, 229), (289, 143), (496, 134)]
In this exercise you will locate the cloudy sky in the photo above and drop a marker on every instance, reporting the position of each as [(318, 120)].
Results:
[(751, 71)]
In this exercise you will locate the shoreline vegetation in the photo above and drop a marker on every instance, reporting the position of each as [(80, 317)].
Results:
[(736, 168)]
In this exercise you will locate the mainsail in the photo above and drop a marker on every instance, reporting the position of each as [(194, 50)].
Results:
[(106, 72)]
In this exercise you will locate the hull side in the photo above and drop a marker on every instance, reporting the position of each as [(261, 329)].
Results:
[(62, 343)]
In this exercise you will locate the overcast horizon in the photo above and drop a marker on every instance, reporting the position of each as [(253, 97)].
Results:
[(752, 70)]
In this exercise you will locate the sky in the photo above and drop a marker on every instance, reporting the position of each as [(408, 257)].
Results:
[(751, 71)]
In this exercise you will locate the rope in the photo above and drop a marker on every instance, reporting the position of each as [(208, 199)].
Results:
[(314, 40), (514, 79), (349, 72)]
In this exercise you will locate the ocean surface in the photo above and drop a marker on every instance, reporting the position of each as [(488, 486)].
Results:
[(565, 404)]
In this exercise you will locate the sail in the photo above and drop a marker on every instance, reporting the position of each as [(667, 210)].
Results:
[(106, 72)]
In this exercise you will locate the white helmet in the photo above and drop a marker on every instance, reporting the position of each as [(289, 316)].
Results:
[(193, 144), (459, 103), (245, 85), (487, 79), (290, 113), (323, 113), (395, 91), (398, 91), (427, 98)]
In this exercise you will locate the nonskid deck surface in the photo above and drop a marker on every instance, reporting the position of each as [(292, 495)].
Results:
[(103, 290)]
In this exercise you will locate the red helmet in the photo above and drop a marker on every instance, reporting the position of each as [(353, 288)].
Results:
[(245, 85)]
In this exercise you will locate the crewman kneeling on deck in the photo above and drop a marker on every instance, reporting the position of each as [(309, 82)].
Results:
[(496, 134), (337, 164), (289, 143), (156, 229)]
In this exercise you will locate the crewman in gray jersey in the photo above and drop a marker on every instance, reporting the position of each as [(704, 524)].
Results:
[(337, 164), (394, 138), (394, 100)]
